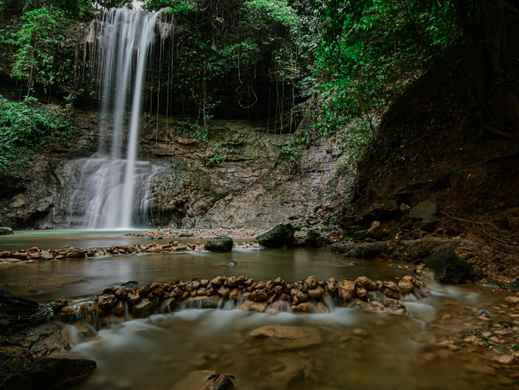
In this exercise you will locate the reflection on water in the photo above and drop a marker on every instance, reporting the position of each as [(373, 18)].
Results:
[(72, 278)]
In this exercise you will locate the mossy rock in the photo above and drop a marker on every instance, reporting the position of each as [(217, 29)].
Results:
[(220, 244), (5, 231), (277, 237), (449, 268)]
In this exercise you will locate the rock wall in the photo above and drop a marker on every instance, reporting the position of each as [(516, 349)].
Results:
[(235, 178)]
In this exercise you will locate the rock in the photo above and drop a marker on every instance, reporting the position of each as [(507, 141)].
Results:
[(220, 244), (365, 283), (314, 239), (277, 237), (406, 285), (505, 359), (424, 211), (346, 291), (143, 309), (512, 300), (316, 293), (202, 302), (449, 268), (6, 231), (43, 373), (305, 307), (284, 338), (259, 307), (106, 302)]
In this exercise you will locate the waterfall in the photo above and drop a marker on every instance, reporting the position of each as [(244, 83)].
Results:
[(106, 192)]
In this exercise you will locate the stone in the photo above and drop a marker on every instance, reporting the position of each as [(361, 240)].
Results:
[(106, 302), (284, 337), (316, 293), (259, 307), (143, 309), (220, 244), (365, 283), (280, 236), (425, 211), (44, 373), (512, 300), (346, 291), (5, 231), (314, 239), (202, 302), (449, 268), (305, 307), (406, 285), (505, 359), (391, 290)]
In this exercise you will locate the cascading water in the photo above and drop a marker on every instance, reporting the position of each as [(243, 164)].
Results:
[(106, 195)]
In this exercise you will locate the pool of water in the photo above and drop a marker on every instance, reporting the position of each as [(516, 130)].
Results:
[(73, 278), (344, 349), (61, 238)]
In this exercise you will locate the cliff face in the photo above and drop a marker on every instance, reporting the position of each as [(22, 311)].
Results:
[(234, 177)]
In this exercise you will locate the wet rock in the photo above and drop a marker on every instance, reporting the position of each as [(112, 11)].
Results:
[(425, 212), (120, 309), (143, 309), (312, 281), (346, 291), (220, 244), (44, 373), (406, 285), (259, 295), (449, 268), (278, 237), (365, 283), (505, 359), (316, 293), (284, 338), (391, 290), (20, 313), (203, 302), (5, 231), (314, 239), (106, 302), (305, 307), (254, 306)]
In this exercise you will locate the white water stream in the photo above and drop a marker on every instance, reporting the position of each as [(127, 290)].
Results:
[(107, 194)]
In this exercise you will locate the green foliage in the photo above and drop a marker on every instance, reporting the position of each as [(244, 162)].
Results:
[(222, 48), (37, 42), (177, 7), (216, 159), (25, 128), (192, 130), (369, 52), (278, 11)]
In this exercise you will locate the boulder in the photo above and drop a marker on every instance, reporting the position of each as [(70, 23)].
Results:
[(220, 244), (5, 231), (143, 309), (44, 373), (449, 268), (277, 237)]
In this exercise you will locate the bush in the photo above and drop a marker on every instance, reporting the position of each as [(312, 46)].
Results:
[(25, 128), (37, 43)]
